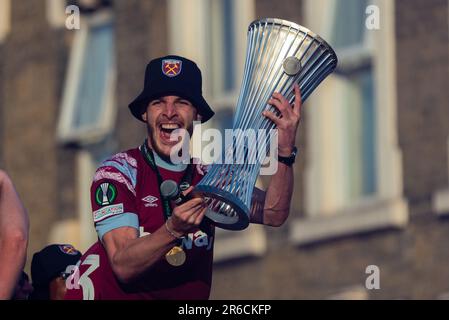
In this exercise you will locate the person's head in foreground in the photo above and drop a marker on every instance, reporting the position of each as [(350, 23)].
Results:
[(49, 271)]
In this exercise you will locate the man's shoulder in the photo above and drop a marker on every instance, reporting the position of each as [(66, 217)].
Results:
[(128, 158), (120, 167)]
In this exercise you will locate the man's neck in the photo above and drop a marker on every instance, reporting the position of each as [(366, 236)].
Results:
[(164, 162), (167, 164)]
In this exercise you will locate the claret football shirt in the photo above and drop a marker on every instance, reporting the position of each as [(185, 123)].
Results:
[(125, 192)]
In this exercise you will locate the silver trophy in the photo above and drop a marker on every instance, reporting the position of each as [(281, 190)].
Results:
[(279, 53)]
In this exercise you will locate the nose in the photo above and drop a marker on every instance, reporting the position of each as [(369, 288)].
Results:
[(169, 109)]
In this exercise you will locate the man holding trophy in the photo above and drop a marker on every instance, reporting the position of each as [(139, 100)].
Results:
[(149, 247), (126, 197)]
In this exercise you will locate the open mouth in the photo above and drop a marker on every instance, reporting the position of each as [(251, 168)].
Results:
[(167, 128)]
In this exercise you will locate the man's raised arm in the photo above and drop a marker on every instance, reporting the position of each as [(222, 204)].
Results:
[(272, 208)]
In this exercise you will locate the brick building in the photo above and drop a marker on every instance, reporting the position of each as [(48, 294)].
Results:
[(371, 180)]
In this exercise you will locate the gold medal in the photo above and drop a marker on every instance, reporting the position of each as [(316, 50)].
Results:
[(176, 256)]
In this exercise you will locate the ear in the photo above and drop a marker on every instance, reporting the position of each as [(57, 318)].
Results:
[(199, 117), (144, 116)]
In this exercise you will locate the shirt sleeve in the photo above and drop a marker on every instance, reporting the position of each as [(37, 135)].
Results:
[(113, 197)]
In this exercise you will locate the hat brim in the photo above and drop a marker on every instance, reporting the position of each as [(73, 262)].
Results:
[(140, 104)]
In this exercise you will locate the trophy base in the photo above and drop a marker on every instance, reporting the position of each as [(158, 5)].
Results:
[(224, 209)]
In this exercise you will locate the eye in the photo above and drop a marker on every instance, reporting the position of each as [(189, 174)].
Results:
[(184, 102), (155, 102)]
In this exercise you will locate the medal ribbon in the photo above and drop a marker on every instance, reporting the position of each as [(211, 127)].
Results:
[(149, 159)]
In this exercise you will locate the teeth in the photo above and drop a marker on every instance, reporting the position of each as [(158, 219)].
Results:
[(170, 126)]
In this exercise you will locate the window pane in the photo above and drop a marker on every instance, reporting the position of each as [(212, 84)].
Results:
[(369, 133), (95, 72), (360, 155), (229, 45), (221, 41), (349, 27)]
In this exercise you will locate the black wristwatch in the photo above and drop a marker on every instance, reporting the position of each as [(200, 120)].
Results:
[(290, 159)]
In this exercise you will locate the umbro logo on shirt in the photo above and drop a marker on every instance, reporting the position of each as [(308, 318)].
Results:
[(150, 201)]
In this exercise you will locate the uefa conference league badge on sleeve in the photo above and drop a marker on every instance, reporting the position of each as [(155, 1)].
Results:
[(105, 195)]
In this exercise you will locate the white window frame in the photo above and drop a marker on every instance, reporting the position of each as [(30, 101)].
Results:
[(65, 133), (5, 19), (187, 21), (55, 11), (350, 59), (79, 231), (86, 169), (187, 31), (387, 208)]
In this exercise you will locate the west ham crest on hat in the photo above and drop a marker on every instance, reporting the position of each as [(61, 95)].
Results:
[(171, 67), (68, 249), (171, 75)]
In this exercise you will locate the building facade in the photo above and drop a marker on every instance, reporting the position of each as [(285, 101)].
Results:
[(372, 175)]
